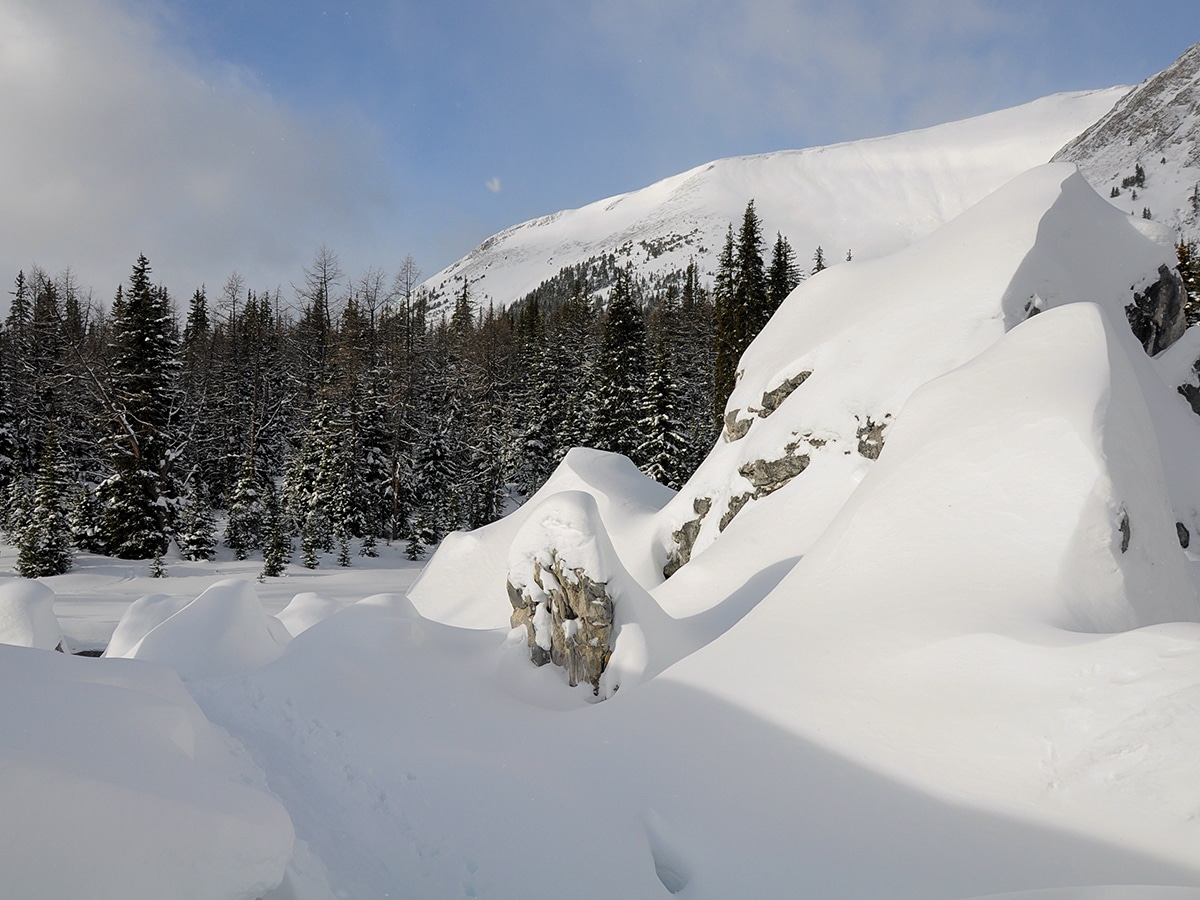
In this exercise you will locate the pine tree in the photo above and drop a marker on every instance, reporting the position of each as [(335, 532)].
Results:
[(622, 372), (246, 512), (197, 537), (44, 542), (277, 552), (726, 349), (139, 497), (752, 303), (818, 260), (664, 448), (784, 274)]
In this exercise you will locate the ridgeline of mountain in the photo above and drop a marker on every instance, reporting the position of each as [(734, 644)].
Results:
[(871, 197), (1145, 153)]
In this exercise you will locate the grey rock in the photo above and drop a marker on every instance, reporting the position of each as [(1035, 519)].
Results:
[(774, 397), (1126, 531), (768, 476), (1156, 315), (685, 537), (1185, 536), (735, 506), (870, 438), (580, 621), (735, 428)]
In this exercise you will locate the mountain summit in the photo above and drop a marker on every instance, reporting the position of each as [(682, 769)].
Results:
[(871, 197), (1154, 130)]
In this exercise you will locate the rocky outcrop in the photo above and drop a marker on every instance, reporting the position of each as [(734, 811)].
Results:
[(735, 428), (1157, 314), (870, 438), (773, 398), (568, 620), (685, 537), (767, 476)]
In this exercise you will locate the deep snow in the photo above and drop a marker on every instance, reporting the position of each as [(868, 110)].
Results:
[(969, 667)]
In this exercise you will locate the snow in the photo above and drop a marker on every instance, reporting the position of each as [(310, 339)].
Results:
[(871, 197), (967, 668), (27, 615)]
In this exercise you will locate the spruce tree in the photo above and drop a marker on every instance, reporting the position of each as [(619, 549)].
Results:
[(784, 274), (726, 349), (751, 301), (197, 535), (44, 541), (622, 372), (244, 531), (139, 497)]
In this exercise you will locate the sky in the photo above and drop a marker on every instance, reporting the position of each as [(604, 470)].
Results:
[(222, 136)]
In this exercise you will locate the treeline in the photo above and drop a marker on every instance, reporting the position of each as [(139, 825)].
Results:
[(349, 415)]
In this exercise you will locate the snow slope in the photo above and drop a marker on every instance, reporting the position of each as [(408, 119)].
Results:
[(871, 197)]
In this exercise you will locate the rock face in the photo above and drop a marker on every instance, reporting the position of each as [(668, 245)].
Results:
[(568, 620), (1157, 314), (685, 537), (772, 398)]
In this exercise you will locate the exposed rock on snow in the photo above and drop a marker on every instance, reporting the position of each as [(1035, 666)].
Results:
[(568, 619), (772, 398), (1156, 314), (557, 584), (685, 537), (870, 438), (736, 427), (27, 615)]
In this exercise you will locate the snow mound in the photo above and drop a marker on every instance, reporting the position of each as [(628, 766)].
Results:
[(306, 610), (116, 786), (224, 631), (857, 340), (463, 584), (141, 617), (27, 615)]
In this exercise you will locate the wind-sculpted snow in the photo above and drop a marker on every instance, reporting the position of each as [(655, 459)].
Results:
[(224, 631), (871, 197), (27, 615), (116, 787)]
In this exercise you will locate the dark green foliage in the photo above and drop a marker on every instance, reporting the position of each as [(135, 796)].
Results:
[(197, 536), (44, 536), (621, 374), (784, 274), (139, 496), (277, 551)]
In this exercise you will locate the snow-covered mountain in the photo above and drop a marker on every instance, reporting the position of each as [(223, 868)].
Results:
[(867, 197), (1155, 126)]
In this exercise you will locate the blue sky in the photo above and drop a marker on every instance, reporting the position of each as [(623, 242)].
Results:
[(222, 135)]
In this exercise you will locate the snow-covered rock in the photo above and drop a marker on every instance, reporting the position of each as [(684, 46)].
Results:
[(27, 615)]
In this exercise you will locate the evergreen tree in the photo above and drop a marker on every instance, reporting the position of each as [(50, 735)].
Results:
[(244, 531), (622, 372), (751, 301), (664, 448), (85, 521), (44, 542), (197, 537), (139, 497), (818, 260), (277, 552), (784, 274), (726, 350)]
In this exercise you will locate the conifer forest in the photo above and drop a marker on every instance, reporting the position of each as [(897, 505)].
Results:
[(309, 426)]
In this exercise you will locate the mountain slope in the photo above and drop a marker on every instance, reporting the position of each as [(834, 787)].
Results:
[(1156, 126), (870, 197)]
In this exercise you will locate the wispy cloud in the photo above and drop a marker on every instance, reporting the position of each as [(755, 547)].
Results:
[(493, 185), (118, 143)]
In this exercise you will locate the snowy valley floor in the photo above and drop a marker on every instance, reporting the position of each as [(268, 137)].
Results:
[(417, 759)]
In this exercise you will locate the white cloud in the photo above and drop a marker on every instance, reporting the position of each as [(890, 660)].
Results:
[(493, 185), (118, 143)]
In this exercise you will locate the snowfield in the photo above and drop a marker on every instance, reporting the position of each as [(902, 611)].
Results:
[(954, 654)]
